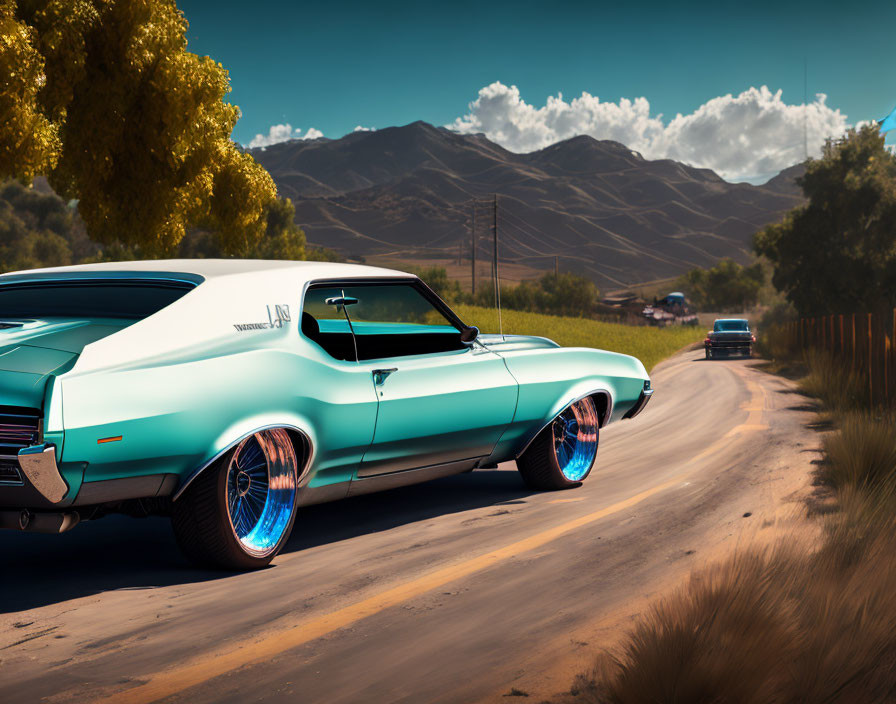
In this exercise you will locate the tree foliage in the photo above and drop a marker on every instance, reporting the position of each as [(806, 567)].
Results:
[(726, 286), (35, 229), (557, 294), (436, 277), (39, 229), (29, 141), (564, 294), (103, 97), (837, 253)]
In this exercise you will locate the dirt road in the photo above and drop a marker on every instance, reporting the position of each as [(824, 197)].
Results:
[(452, 591)]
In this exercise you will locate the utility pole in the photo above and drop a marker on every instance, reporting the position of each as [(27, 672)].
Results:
[(473, 248), (556, 266), (497, 275), (806, 108)]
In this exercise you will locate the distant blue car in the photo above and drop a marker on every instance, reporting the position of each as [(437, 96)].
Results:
[(729, 336)]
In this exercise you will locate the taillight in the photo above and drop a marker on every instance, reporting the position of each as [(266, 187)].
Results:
[(753, 338)]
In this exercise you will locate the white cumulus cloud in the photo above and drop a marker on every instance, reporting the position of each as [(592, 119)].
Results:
[(751, 136), (361, 128), (283, 133)]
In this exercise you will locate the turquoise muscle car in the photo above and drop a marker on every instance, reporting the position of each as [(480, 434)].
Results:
[(226, 394)]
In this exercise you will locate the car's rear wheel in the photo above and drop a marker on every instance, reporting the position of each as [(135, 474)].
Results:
[(239, 512), (563, 453)]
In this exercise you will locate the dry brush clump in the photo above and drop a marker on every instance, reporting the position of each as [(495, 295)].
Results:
[(862, 455), (834, 382), (767, 627), (774, 344), (796, 624)]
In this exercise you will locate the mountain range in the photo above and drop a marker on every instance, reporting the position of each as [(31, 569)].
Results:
[(594, 206)]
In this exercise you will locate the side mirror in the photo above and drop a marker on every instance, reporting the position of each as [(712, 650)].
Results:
[(341, 301), (469, 333)]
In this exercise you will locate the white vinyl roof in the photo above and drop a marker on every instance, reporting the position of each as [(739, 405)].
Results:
[(216, 268)]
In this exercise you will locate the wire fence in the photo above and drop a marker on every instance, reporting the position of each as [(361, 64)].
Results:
[(861, 341)]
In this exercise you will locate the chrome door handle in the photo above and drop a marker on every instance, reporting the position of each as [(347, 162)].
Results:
[(379, 375)]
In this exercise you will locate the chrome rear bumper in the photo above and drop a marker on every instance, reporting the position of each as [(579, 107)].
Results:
[(38, 464)]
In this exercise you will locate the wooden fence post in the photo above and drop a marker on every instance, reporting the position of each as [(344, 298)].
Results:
[(870, 364), (886, 371), (842, 342), (891, 358), (853, 323)]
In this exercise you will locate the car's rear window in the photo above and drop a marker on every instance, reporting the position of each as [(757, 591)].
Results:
[(731, 326), (94, 299)]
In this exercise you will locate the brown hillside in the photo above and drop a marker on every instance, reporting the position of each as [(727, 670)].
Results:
[(602, 208)]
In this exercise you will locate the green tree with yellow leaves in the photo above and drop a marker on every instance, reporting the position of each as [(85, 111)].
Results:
[(103, 98)]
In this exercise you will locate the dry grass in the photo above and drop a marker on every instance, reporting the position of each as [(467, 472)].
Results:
[(768, 627), (861, 455), (786, 625), (834, 383), (776, 347), (649, 344)]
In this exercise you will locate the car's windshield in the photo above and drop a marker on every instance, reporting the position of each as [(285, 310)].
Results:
[(731, 326)]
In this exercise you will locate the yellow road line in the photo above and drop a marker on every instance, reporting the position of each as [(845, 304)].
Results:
[(216, 663), (167, 683), (566, 501)]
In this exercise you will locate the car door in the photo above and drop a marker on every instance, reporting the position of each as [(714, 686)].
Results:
[(440, 400)]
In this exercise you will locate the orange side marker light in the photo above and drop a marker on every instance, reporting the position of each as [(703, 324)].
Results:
[(100, 441)]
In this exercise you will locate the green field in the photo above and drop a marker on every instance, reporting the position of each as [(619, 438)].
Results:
[(648, 344)]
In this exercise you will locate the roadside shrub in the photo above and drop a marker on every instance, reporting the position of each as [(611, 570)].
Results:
[(719, 640), (726, 286), (861, 454), (779, 314), (768, 627), (834, 383), (773, 343)]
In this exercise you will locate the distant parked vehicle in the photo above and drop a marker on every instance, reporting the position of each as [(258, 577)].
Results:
[(729, 336), (671, 309)]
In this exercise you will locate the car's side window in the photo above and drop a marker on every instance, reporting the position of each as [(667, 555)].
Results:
[(326, 324), (387, 320)]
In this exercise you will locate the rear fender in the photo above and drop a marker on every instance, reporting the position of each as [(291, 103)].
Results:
[(300, 431)]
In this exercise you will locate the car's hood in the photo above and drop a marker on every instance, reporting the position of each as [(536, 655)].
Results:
[(32, 350)]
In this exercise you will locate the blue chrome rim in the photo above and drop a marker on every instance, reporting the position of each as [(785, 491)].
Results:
[(575, 439), (261, 491)]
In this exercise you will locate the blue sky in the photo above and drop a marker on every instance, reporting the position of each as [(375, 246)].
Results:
[(335, 65)]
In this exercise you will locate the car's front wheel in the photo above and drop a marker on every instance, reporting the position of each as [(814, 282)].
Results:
[(563, 453), (239, 512)]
